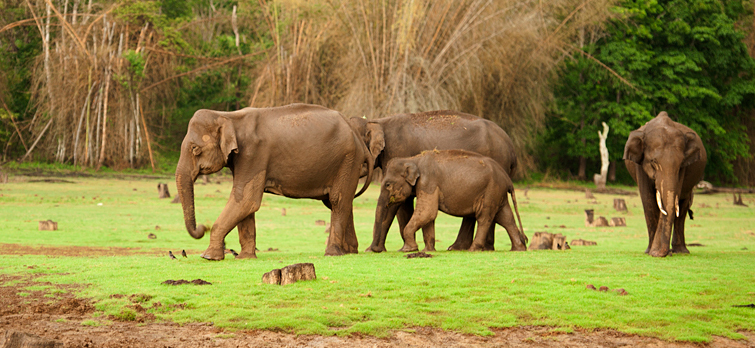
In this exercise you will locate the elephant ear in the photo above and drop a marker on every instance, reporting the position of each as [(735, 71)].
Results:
[(411, 173), (692, 150), (376, 138), (227, 138), (635, 147)]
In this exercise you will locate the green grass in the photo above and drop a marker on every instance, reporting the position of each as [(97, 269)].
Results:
[(684, 297)]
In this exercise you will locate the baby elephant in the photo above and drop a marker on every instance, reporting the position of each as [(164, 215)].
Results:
[(459, 183)]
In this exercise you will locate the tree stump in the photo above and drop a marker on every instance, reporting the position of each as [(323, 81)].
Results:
[(175, 200), (17, 339), (290, 274), (619, 204), (162, 189), (589, 217), (541, 241), (272, 277), (617, 222), (601, 221), (583, 242), (588, 194), (3, 178), (48, 225), (600, 179), (548, 241)]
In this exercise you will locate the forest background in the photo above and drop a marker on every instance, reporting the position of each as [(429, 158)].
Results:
[(93, 83)]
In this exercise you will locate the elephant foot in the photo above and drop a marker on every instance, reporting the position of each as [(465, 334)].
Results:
[(518, 248), (659, 253), (407, 248), (457, 246), (489, 248), (680, 250), (213, 254), (428, 249), (374, 249), (475, 247), (246, 255), (334, 250)]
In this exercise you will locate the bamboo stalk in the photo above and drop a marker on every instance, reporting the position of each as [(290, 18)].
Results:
[(146, 135), (104, 121)]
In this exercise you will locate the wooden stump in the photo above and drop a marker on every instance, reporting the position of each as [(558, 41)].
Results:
[(175, 200), (541, 241), (588, 194), (617, 222), (548, 241), (589, 217), (17, 339), (582, 242), (290, 274), (162, 189), (48, 225), (272, 277), (601, 221), (619, 204)]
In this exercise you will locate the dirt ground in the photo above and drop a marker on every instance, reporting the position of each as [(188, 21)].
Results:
[(64, 318)]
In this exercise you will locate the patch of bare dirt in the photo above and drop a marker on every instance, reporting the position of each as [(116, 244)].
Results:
[(60, 318), (77, 251)]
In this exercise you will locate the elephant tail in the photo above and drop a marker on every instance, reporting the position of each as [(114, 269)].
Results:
[(522, 236), (370, 167)]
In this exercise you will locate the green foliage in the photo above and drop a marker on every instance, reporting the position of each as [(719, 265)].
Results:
[(685, 57), (372, 293)]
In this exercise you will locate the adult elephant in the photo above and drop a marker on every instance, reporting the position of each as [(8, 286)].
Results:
[(407, 135), (666, 159), (297, 151)]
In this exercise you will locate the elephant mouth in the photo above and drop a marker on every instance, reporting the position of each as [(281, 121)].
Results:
[(659, 200)]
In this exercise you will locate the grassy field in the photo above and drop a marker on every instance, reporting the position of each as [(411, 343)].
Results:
[(684, 297)]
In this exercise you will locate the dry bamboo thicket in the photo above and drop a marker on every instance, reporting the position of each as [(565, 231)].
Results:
[(496, 59), (89, 106), (375, 58)]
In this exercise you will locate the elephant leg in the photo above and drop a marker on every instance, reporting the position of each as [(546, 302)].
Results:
[(247, 238), (466, 233), (678, 245), (483, 227), (404, 214), (238, 208), (505, 218), (490, 240), (428, 234), (427, 211), (649, 205), (342, 238)]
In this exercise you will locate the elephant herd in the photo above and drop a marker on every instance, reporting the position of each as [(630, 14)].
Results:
[(449, 161)]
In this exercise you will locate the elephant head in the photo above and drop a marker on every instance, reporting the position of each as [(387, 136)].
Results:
[(664, 153), (209, 142), (398, 185), (372, 134)]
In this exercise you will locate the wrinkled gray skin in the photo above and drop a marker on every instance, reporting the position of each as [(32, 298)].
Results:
[(297, 151), (667, 160), (407, 135), (459, 183)]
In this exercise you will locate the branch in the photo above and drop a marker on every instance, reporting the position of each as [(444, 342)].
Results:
[(70, 29), (200, 69), (614, 73)]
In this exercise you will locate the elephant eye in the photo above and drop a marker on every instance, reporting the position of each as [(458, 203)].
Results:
[(196, 150), (388, 185)]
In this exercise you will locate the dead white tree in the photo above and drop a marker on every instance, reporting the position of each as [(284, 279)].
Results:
[(600, 179)]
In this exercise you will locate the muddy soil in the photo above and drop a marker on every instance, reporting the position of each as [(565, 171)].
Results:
[(63, 317)]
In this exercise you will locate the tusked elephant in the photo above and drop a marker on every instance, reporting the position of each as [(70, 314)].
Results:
[(297, 151), (459, 183), (407, 135), (667, 160)]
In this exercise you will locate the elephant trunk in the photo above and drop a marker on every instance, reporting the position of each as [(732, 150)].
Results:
[(667, 199), (185, 187), (384, 215)]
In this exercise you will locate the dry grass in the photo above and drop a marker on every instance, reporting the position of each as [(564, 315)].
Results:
[(495, 59)]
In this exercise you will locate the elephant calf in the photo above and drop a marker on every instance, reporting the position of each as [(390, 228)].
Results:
[(459, 183)]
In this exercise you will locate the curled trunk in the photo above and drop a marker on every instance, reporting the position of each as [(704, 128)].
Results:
[(185, 188)]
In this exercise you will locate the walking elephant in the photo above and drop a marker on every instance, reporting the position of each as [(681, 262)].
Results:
[(459, 183), (297, 151), (407, 135), (667, 160)]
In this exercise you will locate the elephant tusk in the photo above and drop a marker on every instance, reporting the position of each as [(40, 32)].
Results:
[(676, 204), (658, 200)]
